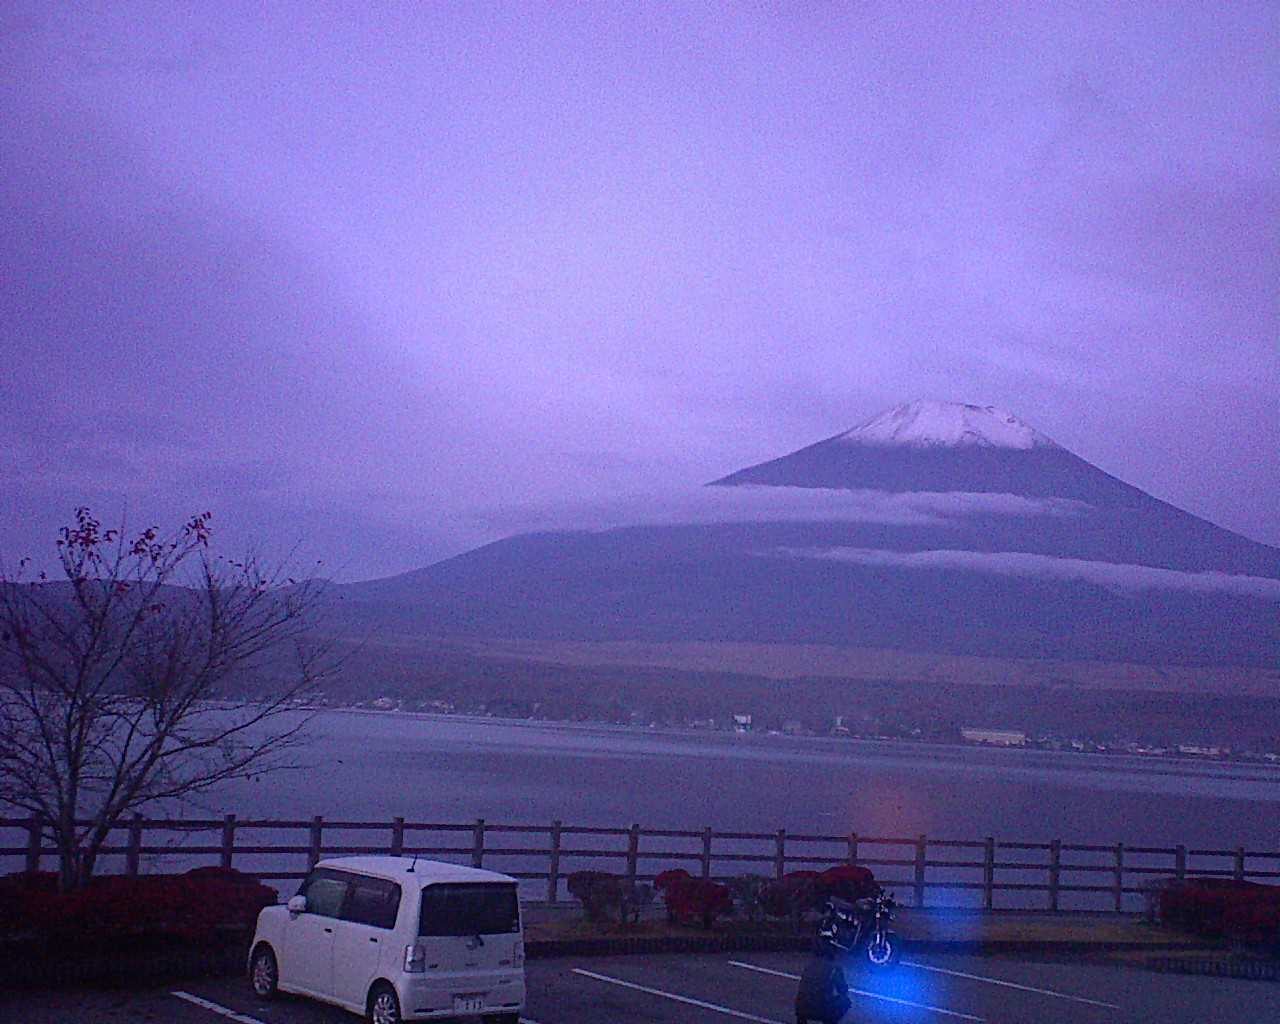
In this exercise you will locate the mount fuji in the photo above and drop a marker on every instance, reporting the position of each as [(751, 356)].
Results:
[(935, 527), (943, 447)]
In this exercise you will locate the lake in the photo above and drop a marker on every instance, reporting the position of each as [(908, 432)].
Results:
[(369, 766), (375, 766)]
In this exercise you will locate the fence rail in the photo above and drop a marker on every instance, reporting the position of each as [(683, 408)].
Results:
[(982, 873)]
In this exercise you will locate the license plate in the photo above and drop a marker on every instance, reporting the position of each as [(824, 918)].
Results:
[(468, 1004)]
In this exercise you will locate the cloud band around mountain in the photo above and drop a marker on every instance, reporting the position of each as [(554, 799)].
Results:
[(1116, 575), (746, 504)]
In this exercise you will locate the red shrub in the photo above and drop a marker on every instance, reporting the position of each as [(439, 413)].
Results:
[(1215, 906), (791, 895), (605, 896), (694, 900), (599, 892), (670, 877), (219, 874), (847, 881), (798, 892), (194, 907), (30, 903), (38, 881), (1254, 919)]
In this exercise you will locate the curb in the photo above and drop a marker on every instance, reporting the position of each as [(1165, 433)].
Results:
[(547, 949), (1251, 970), (125, 968)]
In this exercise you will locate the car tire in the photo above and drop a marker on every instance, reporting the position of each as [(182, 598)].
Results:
[(264, 973), (383, 1006)]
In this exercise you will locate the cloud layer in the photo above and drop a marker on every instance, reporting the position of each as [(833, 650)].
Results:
[(752, 504), (1116, 576)]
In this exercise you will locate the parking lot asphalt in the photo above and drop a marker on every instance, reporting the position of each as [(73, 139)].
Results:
[(723, 988)]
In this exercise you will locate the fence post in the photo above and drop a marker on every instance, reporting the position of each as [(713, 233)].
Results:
[(988, 873), (1119, 882), (228, 839), (633, 853), (706, 852), (477, 846), (1055, 872), (853, 847), (553, 872), (313, 854), (397, 837), (1239, 871), (34, 830), (780, 854), (133, 851), (1180, 862), (921, 844)]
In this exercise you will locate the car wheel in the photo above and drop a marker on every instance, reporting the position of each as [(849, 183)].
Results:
[(264, 973), (384, 1005)]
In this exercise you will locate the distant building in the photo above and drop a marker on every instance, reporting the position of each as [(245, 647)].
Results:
[(994, 737), (741, 723), (1197, 751), (792, 727)]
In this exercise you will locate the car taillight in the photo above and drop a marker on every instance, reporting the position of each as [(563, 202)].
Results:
[(415, 959)]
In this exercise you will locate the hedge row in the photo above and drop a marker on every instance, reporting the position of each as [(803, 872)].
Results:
[(195, 907), (701, 901), (1220, 908)]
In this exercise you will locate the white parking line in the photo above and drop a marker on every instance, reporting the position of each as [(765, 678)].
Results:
[(239, 1018), (863, 992), (677, 998), (1009, 984)]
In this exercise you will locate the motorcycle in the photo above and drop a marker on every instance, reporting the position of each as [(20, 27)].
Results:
[(860, 929), (849, 930)]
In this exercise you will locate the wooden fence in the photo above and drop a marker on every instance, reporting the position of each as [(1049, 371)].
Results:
[(980, 873)]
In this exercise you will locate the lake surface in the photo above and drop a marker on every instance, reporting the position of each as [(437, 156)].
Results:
[(365, 767), (432, 768)]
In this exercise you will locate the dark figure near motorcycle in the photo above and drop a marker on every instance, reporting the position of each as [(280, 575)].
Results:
[(823, 996), (850, 933)]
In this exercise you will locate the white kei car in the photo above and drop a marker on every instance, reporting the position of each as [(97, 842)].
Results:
[(397, 938)]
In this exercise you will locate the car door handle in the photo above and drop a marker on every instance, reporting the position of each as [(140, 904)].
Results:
[(328, 931), (372, 939)]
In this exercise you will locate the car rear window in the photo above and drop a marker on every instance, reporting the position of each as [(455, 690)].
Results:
[(469, 909)]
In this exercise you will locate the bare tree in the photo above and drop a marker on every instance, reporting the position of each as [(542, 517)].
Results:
[(153, 672)]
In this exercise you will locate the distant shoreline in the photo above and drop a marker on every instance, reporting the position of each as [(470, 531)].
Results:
[(1101, 758)]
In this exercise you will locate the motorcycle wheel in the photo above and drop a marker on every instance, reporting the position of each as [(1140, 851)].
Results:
[(884, 951)]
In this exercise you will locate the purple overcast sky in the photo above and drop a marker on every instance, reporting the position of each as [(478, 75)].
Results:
[(363, 274)]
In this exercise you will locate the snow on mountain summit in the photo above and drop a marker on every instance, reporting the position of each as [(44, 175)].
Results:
[(928, 424)]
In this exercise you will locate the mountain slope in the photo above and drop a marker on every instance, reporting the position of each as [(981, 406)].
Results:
[(1080, 565), (943, 447)]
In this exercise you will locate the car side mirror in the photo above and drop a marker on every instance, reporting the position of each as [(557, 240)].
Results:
[(298, 905)]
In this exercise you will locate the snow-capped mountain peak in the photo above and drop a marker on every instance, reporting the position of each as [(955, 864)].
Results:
[(929, 424)]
